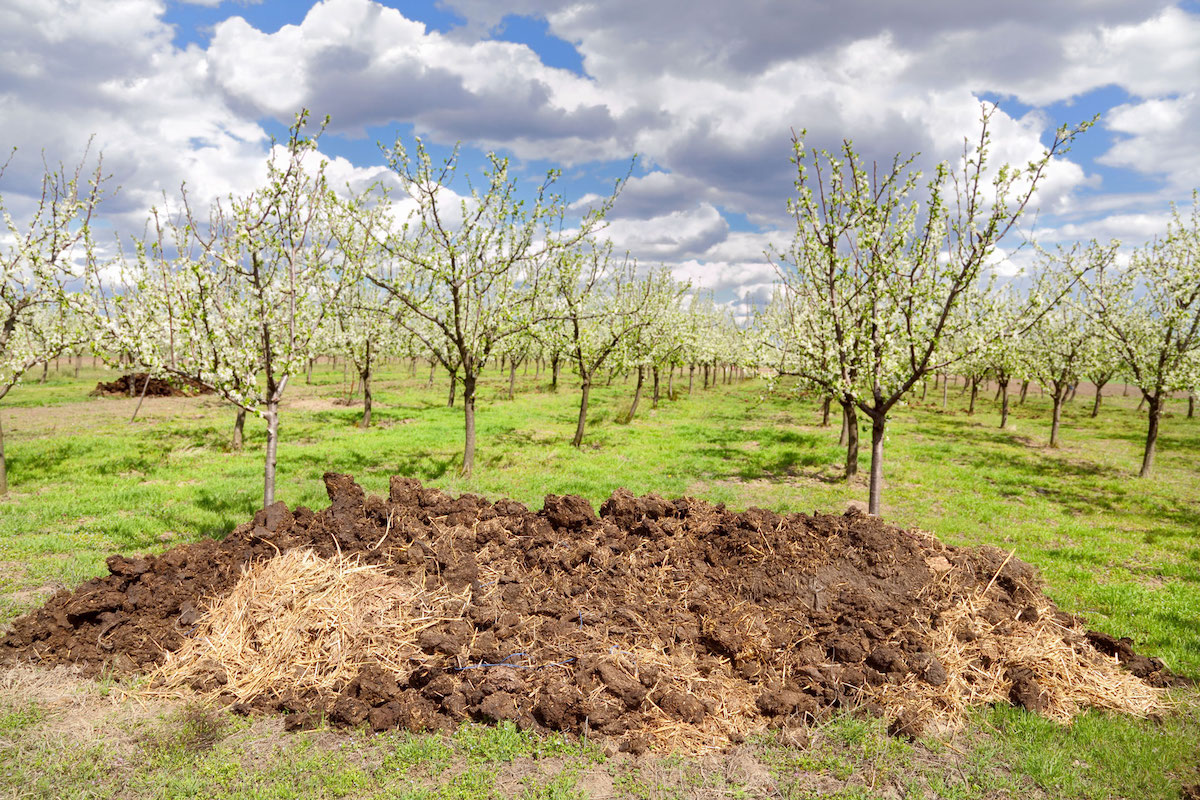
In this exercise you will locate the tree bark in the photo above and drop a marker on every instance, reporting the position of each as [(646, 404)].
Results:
[(239, 426), (469, 423), (974, 394), (3, 464), (272, 418), (453, 389), (705, 376), (637, 393), (1004, 404), (945, 390), (512, 377), (141, 398), (365, 375), (878, 424), (691, 377), (1191, 405), (850, 428), (1024, 391), (1151, 435), (654, 400), (825, 411), (1099, 397), (308, 374), (583, 407), (432, 372), (1142, 404), (1057, 399), (554, 365)]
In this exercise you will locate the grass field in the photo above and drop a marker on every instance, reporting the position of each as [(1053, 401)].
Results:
[(1122, 552)]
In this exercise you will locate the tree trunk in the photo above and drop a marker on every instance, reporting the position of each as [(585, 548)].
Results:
[(974, 394), (924, 389), (1191, 405), (654, 400), (1057, 399), (825, 412), (706, 376), (637, 394), (432, 372), (1001, 386), (1004, 405), (945, 390), (239, 426), (1024, 391), (308, 374), (691, 377), (850, 428), (469, 421), (365, 375), (1142, 404), (512, 377), (554, 365), (272, 418), (878, 424), (1151, 436), (45, 370), (671, 383), (1099, 396), (453, 389), (3, 464), (141, 398), (583, 407)]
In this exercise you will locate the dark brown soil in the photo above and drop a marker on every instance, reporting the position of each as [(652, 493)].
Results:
[(131, 385), (803, 610)]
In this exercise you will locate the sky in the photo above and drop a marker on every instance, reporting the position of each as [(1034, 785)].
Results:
[(705, 94)]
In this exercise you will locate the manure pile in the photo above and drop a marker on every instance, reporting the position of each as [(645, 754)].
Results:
[(675, 623), (134, 383)]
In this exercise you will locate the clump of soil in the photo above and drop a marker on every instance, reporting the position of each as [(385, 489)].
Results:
[(134, 384), (655, 621)]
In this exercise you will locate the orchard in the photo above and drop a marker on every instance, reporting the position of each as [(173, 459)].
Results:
[(440, 457)]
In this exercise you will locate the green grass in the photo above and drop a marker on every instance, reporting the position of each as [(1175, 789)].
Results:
[(1122, 552)]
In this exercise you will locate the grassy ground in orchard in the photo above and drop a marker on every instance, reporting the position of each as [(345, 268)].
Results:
[(1122, 552)]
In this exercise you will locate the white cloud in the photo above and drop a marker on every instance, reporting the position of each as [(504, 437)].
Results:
[(706, 92), (1161, 139)]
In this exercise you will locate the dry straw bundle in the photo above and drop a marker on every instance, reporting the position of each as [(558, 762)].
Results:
[(303, 623), (1053, 668)]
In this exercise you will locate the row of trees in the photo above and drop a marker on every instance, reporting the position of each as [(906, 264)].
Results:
[(887, 283)]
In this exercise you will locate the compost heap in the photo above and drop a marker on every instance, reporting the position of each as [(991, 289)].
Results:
[(663, 622), (134, 385)]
